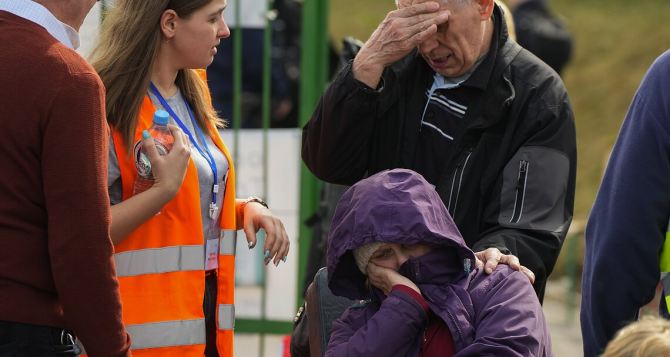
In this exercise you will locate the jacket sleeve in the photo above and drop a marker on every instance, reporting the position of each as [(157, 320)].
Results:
[(392, 331), (530, 209), (74, 167), (508, 319), (626, 230), (336, 140)]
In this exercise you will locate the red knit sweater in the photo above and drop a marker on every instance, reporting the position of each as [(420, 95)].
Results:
[(56, 265)]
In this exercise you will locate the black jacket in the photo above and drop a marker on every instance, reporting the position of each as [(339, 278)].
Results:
[(509, 184)]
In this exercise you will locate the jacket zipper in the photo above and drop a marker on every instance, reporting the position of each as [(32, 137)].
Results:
[(457, 182), (520, 191), (455, 323)]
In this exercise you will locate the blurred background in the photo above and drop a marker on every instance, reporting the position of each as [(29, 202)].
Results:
[(278, 62)]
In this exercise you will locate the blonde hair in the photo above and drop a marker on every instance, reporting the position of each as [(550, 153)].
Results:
[(125, 56), (647, 337)]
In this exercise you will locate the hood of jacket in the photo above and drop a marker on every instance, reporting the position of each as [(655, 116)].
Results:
[(394, 206)]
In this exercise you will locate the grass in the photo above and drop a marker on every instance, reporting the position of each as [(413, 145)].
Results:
[(615, 42)]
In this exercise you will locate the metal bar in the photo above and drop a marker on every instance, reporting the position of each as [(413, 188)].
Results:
[(266, 104), (237, 81), (267, 89), (313, 77), (269, 327)]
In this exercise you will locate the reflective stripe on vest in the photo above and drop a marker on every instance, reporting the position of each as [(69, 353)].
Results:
[(159, 260), (167, 334), (226, 316)]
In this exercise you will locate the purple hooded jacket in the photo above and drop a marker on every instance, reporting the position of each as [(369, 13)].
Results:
[(488, 315)]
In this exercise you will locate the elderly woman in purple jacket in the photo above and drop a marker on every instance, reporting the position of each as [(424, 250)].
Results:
[(393, 245)]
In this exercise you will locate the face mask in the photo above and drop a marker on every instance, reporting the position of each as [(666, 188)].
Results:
[(441, 265)]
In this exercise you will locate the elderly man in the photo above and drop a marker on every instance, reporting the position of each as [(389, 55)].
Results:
[(56, 269), (439, 89)]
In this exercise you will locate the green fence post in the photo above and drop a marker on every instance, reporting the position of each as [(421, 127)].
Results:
[(313, 80), (237, 80)]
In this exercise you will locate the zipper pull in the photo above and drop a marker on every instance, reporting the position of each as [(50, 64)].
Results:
[(523, 169)]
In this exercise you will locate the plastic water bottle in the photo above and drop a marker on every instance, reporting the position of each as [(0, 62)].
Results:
[(163, 139)]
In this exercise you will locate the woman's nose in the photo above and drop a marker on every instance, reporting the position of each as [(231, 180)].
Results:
[(224, 31)]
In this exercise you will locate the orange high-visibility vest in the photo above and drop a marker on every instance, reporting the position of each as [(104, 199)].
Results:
[(160, 265)]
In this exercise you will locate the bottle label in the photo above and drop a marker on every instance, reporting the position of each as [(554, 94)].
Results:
[(142, 162)]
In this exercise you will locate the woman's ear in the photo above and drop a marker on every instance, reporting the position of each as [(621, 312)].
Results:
[(168, 23)]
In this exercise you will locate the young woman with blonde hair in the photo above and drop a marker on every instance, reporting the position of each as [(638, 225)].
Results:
[(174, 262)]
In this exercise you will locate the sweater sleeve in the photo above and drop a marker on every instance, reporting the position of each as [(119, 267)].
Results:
[(626, 229), (393, 330), (74, 153)]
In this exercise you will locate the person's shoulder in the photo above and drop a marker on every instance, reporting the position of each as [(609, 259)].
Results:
[(530, 70), (49, 58), (77, 75), (71, 62), (482, 284), (659, 71)]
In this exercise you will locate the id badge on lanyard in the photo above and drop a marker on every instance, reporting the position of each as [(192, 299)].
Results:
[(212, 254)]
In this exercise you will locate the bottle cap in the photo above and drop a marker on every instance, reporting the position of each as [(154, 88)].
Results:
[(161, 117)]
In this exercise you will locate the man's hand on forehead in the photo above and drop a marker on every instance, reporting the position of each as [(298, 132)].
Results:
[(407, 3)]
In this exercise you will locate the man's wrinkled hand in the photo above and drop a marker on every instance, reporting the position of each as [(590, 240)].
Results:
[(396, 36), (490, 258)]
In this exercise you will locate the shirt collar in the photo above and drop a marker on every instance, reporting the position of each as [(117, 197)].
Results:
[(40, 15), (441, 82)]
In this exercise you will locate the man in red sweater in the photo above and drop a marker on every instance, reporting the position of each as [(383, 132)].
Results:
[(57, 275)]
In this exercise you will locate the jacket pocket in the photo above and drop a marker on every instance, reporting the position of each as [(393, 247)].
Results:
[(534, 190), (520, 196)]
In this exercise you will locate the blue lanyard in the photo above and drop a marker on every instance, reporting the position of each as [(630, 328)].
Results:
[(206, 154)]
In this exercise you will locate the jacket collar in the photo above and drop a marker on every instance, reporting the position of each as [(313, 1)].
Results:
[(480, 78)]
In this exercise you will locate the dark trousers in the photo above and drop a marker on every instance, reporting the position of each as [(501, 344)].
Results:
[(25, 340), (209, 308)]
